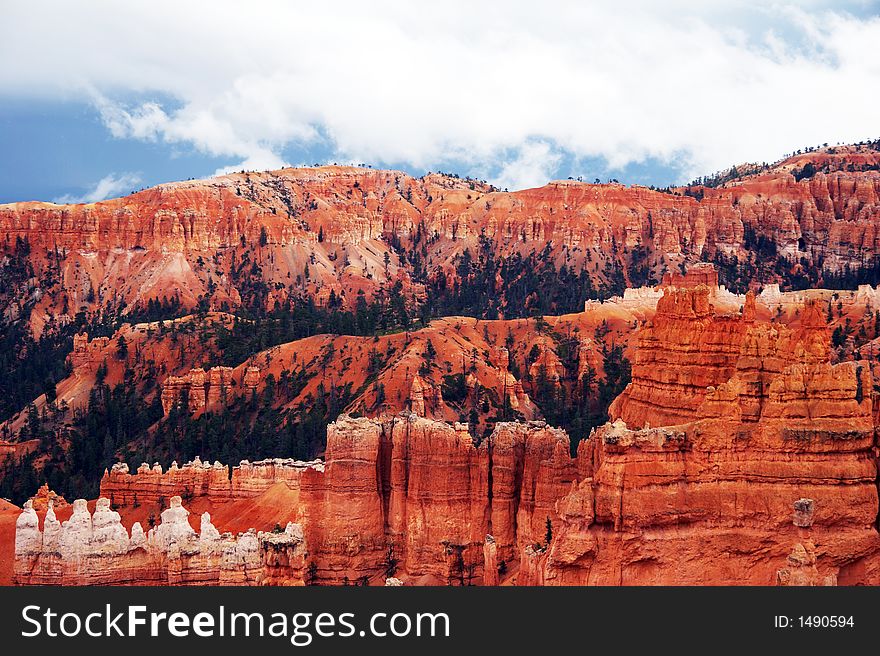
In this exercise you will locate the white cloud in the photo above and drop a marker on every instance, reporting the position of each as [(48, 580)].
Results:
[(532, 166), (110, 185), (482, 85), (145, 122)]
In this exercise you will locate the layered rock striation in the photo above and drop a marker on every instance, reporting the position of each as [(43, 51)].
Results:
[(189, 238), (150, 484), (736, 450)]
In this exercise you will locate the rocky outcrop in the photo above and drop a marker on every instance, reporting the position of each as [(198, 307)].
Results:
[(88, 353), (96, 549), (801, 568), (201, 389), (46, 497), (682, 352), (547, 364), (436, 496), (417, 396), (766, 449), (693, 277), (688, 350), (200, 479), (252, 378)]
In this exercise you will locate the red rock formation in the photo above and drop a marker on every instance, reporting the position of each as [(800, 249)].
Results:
[(775, 453), (46, 497), (801, 568), (531, 468), (491, 569), (437, 494), (202, 389), (200, 479), (437, 500), (182, 237), (402, 496), (8, 517), (417, 396), (548, 362), (687, 351), (219, 380), (88, 353), (694, 276), (684, 351), (251, 378)]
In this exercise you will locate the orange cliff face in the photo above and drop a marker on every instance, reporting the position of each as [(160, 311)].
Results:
[(402, 496), (682, 352), (689, 349), (193, 238), (754, 465)]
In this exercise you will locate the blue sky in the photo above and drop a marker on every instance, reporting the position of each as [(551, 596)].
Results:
[(62, 150), (146, 92)]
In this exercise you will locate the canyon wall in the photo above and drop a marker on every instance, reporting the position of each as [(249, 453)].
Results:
[(348, 205), (323, 230), (738, 454), (200, 479)]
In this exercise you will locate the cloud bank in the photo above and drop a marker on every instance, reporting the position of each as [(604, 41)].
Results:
[(502, 90)]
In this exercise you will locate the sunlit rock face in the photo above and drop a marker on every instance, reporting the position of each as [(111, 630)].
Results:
[(736, 448), (183, 238), (418, 495)]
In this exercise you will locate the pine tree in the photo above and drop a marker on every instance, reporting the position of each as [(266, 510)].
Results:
[(121, 348)]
